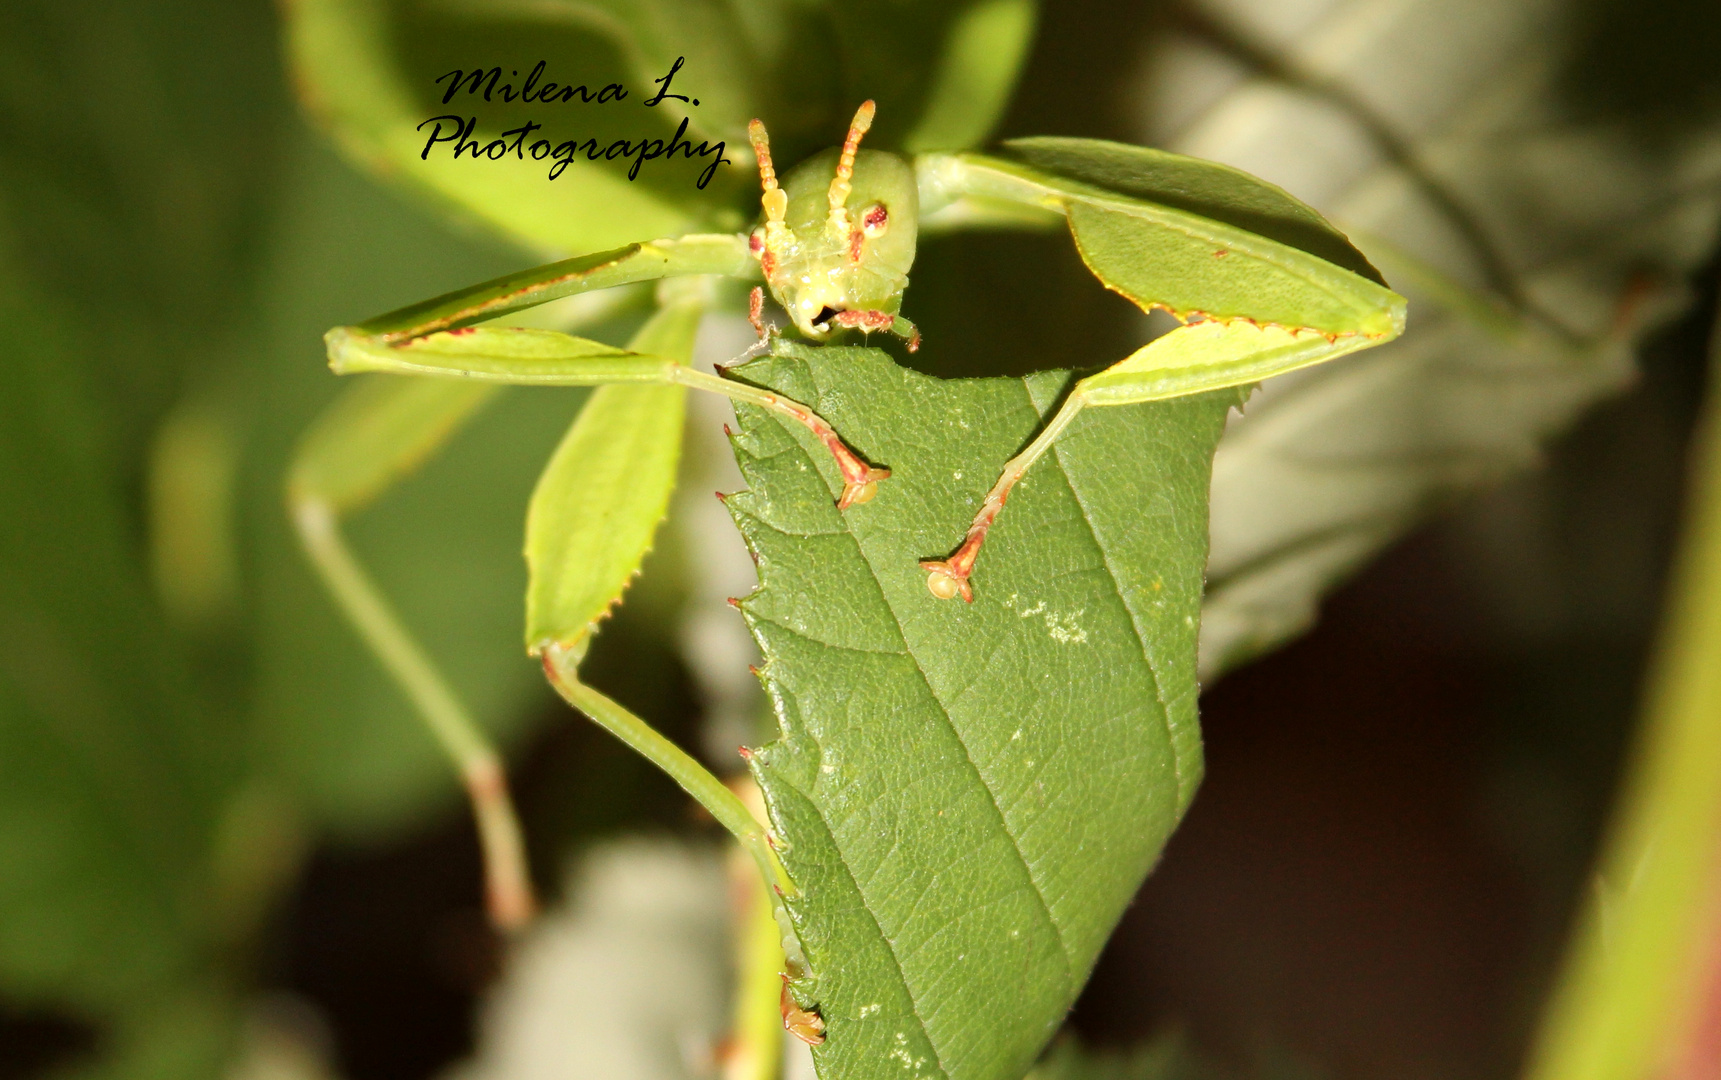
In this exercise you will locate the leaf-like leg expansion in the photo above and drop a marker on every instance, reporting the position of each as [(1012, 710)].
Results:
[(561, 667), (530, 357), (599, 501), (378, 431), (1192, 359), (721, 254)]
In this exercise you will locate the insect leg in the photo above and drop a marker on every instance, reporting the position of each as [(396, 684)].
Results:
[(1192, 359), (948, 578), (720, 254), (372, 435), (547, 358), (860, 480)]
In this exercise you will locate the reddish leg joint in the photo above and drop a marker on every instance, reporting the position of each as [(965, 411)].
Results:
[(860, 480), (756, 310), (948, 578)]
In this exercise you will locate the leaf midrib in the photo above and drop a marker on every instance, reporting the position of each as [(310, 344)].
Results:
[(1177, 758), (1002, 820)]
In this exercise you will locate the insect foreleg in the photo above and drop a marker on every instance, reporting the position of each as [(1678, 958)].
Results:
[(860, 480), (948, 578), (532, 357)]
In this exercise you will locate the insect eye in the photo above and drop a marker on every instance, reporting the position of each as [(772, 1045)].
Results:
[(875, 220)]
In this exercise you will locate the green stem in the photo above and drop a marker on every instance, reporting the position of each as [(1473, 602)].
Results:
[(561, 666), (508, 884), (756, 1040), (1625, 1007)]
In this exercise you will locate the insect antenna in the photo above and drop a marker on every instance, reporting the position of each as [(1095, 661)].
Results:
[(840, 185), (774, 200)]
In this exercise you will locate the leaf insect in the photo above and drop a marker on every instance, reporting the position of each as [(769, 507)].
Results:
[(834, 246)]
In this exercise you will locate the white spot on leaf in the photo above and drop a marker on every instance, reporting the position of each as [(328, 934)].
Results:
[(1061, 628)]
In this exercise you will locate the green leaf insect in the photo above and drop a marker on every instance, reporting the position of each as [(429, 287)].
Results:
[(964, 796)]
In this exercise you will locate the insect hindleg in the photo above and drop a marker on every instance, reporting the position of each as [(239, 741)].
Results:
[(339, 467)]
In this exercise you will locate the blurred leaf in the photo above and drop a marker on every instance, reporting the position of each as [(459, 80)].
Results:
[(1641, 991), (975, 76), (369, 70), (114, 776), (1166, 1057), (128, 205), (112, 772), (1536, 247), (347, 67), (969, 795), (621, 980), (136, 182)]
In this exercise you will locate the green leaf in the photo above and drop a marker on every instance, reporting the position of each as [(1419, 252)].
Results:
[(600, 499), (969, 795), (127, 210), (373, 89), (110, 773), (941, 74), (722, 52)]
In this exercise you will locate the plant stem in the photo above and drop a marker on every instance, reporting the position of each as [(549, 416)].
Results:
[(756, 1039), (1628, 1003)]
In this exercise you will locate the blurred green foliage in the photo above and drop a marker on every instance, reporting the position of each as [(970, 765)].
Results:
[(181, 710), (172, 244)]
